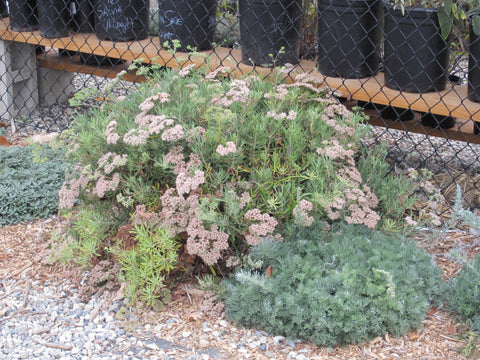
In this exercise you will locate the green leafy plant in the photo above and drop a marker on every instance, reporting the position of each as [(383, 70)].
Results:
[(87, 233), (146, 264), (30, 178), (223, 162), (342, 286), (471, 10)]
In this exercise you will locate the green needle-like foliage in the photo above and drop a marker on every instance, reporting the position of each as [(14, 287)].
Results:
[(347, 285)]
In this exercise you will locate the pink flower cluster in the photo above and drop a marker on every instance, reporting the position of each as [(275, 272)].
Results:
[(286, 69), (229, 148), (306, 78), (149, 124), (173, 134), (104, 184), (177, 211), (186, 70), (360, 209), (136, 137), (264, 225), (189, 177), (301, 213), (245, 198), (281, 92), (180, 214), (305, 85), (208, 244), (148, 103), (153, 124), (142, 216), (111, 133), (238, 92), (292, 115), (358, 200), (111, 161), (175, 156), (186, 183), (333, 209), (330, 116), (357, 207), (70, 190), (212, 76), (335, 151)]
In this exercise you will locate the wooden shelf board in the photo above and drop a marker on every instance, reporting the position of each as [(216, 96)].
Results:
[(52, 60), (452, 101), (463, 131)]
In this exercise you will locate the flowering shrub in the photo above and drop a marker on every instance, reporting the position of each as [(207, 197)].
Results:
[(223, 163)]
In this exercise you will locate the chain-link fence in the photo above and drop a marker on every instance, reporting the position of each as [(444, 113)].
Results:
[(419, 82)]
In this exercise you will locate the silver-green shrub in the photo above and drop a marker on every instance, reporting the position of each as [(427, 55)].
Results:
[(342, 286), (30, 178), (464, 289)]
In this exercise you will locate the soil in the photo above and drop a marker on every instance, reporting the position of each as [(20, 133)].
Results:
[(24, 250)]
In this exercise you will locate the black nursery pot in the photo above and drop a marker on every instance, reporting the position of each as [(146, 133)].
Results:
[(437, 121), (349, 36), (3, 9), (191, 22), (99, 60), (84, 16), (270, 31), (474, 67), (54, 18), (416, 54), (23, 15), (397, 114), (121, 20)]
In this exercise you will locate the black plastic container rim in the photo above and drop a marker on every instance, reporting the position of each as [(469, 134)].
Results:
[(347, 3), (409, 10), (269, 2)]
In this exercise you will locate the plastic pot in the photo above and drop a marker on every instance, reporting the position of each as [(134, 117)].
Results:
[(437, 121), (23, 15), (270, 31), (99, 60), (121, 20), (474, 67), (349, 36), (54, 18), (191, 22), (3, 9), (416, 54), (84, 16), (397, 114)]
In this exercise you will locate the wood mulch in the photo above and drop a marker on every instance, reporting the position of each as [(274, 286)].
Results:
[(24, 251)]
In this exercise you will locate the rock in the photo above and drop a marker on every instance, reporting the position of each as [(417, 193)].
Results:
[(41, 138), (277, 340)]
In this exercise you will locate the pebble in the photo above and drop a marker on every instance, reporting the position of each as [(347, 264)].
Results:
[(53, 324)]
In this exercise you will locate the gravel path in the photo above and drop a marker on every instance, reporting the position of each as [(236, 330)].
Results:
[(50, 321)]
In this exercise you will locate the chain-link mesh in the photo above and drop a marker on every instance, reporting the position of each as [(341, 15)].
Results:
[(421, 91)]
